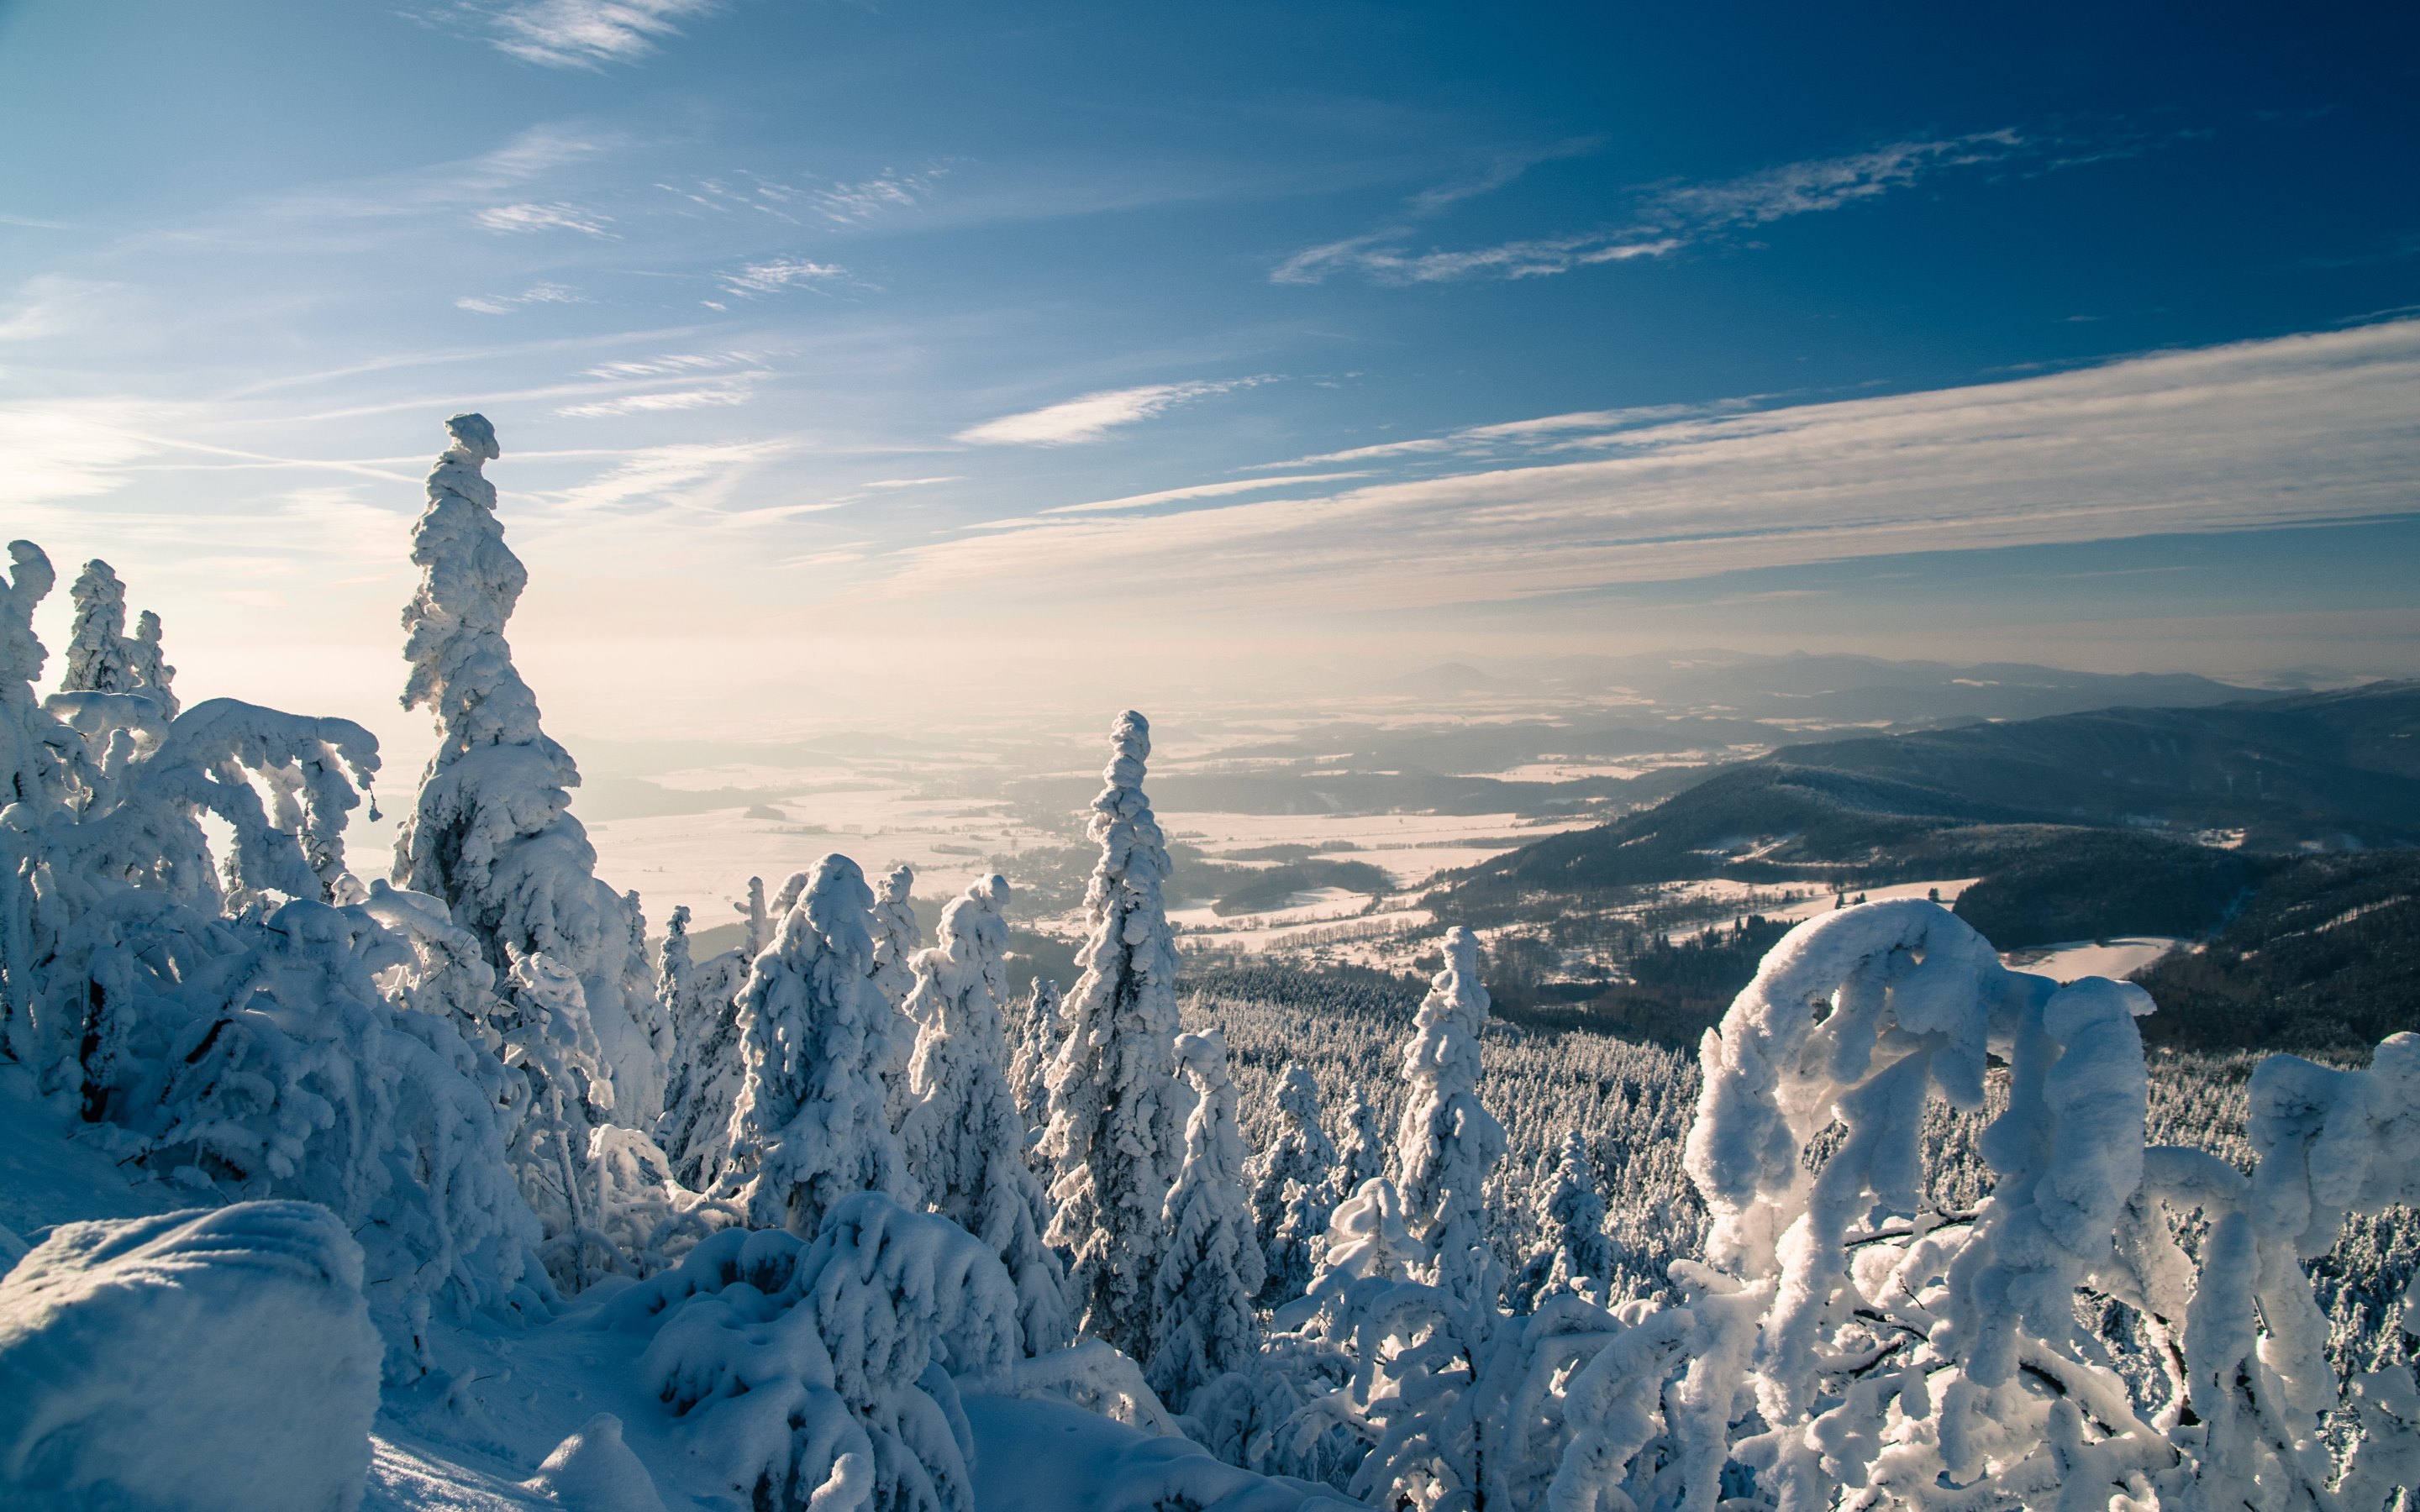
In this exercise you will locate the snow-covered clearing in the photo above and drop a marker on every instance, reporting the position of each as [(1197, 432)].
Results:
[(2072, 959)]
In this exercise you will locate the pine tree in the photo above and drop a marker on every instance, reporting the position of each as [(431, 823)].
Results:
[(1571, 1225), (1448, 1142), (1293, 1187), (493, 833), (1201, 1300), (963, 1134), (809, 1128), (1117, 1111)]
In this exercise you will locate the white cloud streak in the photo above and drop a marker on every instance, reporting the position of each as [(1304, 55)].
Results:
[(1199, 490), (583, 33), (775, 274), (522, 219), (1092, 416), (2300, 430), (1671, 217)]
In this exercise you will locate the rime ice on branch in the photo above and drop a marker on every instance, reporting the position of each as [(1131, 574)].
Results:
[(1117, 1111), (493, 833)]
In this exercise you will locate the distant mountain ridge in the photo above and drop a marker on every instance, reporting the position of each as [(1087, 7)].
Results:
[(2326, 771)]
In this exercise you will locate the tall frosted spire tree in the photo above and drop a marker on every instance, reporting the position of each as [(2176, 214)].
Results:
[(964, 1133), (493, 833), (1448, 1142), (1117, 1110)]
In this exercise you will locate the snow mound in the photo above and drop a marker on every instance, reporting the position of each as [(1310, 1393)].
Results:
[(1068, 1459), (593, 1471), (189, 1361)]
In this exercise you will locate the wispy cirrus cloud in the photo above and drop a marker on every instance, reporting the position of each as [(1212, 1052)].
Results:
[(2306, 429), (1199, 490), (579, 34), (1092, 416), (775, 274), (1667, 218), (521, 220), (508, 303)]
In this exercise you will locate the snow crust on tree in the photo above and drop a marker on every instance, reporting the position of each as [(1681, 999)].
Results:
[(1575, 1256), (821, 1374), (963, 1134), (220, 1361), (1448, 1143), (1294, 1188), (811, 1125), (148, 660), (1203, 1325), (1117, 1109), (492, 832)]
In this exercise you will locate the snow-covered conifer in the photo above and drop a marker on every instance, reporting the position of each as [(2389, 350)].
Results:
[(96, 654), (1117, 1110), (150, 665), (493, 833), (32, 769), (963, 1133), (1040, 1027), (809, 1128), (702, 998), (1361, 1154), (896, 938), (1571, 1225), (1202, 1301), (1293, 1187), (1448, 1142)]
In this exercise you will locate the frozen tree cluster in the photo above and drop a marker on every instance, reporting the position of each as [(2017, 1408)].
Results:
[(871, 1226)]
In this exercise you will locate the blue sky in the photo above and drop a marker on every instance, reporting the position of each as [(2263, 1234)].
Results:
[(1038, 346)]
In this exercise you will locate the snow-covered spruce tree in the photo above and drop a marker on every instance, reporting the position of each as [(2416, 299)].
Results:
[(962, 1134), (1039, 1028), (896, 938), (1449, 1142), (702, 1003), (1572, 1248), (149, 663), (33, 767), (1294, 1188), (1117, 1110), (1361, 1154), (1201, 1300), (492, 832), (98, 655), (810, 1128)]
